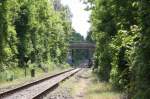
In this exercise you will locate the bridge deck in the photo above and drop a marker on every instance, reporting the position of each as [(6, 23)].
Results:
[(82, 46)]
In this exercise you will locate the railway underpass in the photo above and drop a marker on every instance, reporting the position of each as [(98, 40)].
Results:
[(76, 47)]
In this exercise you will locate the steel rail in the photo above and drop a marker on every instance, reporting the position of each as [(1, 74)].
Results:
[(65, 74)]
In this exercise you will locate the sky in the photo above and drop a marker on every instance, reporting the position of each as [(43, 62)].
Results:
[(80, 16)]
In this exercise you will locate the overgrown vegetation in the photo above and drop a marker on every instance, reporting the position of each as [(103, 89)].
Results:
[(121, 31), (101, 90), (33, 34)]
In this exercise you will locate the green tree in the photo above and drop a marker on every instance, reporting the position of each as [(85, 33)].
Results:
[(33, 31), (121, 31), (103, 28), (8, 39), (141, 57)]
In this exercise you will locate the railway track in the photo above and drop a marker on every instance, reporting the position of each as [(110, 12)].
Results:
[(36, 89)]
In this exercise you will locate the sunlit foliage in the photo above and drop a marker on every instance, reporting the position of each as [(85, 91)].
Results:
[(33, 31), (121, 31)]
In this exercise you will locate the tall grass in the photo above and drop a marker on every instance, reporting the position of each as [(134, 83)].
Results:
[(101, 90)]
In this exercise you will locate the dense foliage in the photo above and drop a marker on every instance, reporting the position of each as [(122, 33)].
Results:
[(76, 37), (121, 29), (33, 31), (89, 37)]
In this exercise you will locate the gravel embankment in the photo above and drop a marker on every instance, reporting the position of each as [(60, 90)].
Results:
[(66, 89), (29, 93)]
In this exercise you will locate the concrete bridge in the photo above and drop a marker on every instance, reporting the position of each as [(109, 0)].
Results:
[(88, 47), (82, 45)]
